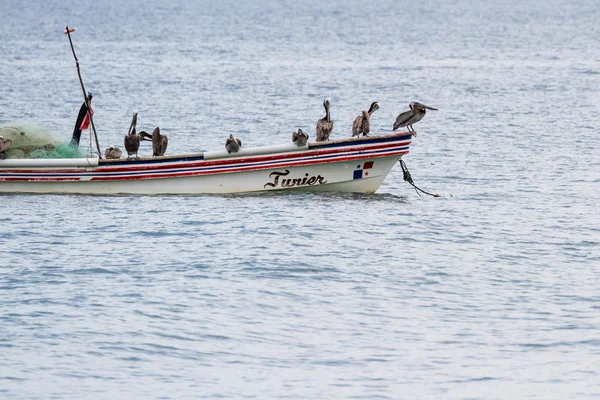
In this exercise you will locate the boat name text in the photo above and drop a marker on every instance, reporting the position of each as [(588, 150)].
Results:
[(288, 182)]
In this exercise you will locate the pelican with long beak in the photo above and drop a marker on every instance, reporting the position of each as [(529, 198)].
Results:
[(362, 123), (159, 142), (415, 114), (233, 144), (325, 124), (4, 145), (300, 138)]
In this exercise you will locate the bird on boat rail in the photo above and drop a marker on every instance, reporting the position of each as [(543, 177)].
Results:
[(113, 153), (132, 139), (232, 144), (415, 114), (362, 123), (4, 146), (300, 138), (159, 142), (325, 124)]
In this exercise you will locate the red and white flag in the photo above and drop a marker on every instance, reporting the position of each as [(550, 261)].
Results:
[(86, 120)]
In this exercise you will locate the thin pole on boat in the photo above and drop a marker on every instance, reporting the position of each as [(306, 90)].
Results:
[(85, 97)]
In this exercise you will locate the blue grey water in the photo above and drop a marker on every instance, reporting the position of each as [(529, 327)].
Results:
[(491, 291)]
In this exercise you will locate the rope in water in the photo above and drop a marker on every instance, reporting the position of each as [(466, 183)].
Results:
[(409, 179)]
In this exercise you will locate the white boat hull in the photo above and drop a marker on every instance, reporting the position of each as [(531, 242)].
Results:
[(353, 165)]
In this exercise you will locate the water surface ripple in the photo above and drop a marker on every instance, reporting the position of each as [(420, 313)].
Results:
[(489, 292)]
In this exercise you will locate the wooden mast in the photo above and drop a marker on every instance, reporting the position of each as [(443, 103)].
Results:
[(85, 97)]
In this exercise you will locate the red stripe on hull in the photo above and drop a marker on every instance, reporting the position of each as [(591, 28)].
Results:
[(215, 172), (257, 168), (204, 163), (39, 179)]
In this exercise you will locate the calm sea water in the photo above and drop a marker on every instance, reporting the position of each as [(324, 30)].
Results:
[(488, 292)]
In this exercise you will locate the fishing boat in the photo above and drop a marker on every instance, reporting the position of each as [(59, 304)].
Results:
[(345, 165)]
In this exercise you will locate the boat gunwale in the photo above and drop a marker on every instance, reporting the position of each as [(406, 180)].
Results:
[(183, 174), (197, 157), (296, 158)]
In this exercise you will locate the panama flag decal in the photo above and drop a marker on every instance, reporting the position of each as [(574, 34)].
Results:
[(362, 171)]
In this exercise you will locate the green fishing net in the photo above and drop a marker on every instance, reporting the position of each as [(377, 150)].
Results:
[(31, 141)]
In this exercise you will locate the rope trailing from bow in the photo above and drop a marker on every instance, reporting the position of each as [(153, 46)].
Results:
[(409, 179)]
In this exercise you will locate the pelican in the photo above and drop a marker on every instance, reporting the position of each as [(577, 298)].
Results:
[(113, 152), (299, 138), (132, 139), (325, 124), (132, 142), (232, 144), (362, 123), (159, 142), (415, 114), (4, 145)]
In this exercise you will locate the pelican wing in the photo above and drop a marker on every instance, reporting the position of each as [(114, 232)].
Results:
[(403, 119), (366, 124), (324, 129), (156, 142), (357, 126), (164, 142)]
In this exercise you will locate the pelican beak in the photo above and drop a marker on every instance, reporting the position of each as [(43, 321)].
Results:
[(427, 107)]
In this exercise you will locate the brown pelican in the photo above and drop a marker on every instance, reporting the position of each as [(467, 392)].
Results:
[(325, 124), (132, 139), (4, 145), (159, 142), (132, 142), (112, 152), (300, 138), (415, 114), (362, 123), (232, 145)]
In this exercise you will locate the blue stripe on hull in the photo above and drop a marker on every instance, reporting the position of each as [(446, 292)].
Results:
[(174, 169)]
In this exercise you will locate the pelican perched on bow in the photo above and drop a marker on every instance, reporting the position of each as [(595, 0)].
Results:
[(362, 123), (325, 124), (112, 153), (299, 138), (159, 142), (415, 114), (132, 139), (233, 144), (4, 145)]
